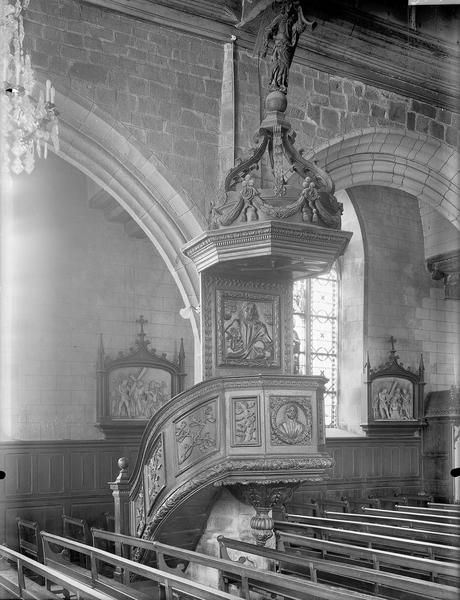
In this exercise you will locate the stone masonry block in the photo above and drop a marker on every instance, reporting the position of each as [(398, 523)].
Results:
[(363, 106), (352, 104), (91, 73), (330, 119), (444, 116), (397, 112), (451, 136), (39, 59), (78, 54), (339, 101), (421, 124), (191, 119), (314, 112), (437, 130), (410, 123), (321, 87), (371, 94), (92, 43), (377, 111), (321, 100), (424, 109)]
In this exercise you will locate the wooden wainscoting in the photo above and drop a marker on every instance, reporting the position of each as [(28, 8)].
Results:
[(377, 466), (47, 479)]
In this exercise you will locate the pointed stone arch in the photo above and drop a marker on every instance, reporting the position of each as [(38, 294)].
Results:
[(104, 150), (420, 165)]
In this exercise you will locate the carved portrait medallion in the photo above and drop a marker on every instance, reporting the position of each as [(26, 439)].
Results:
[(290, 420)]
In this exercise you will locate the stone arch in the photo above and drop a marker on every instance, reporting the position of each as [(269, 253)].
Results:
[(420, 165), (104, 150)]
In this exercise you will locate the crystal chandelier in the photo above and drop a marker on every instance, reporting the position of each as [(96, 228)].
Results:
[(26, 126)]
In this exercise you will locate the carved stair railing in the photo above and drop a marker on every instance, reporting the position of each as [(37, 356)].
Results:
[(229, 431)]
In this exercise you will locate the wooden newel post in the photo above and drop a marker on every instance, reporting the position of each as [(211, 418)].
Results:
[(120, 492)]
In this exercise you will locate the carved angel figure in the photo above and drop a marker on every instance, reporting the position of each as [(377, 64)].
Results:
[(284, 30)]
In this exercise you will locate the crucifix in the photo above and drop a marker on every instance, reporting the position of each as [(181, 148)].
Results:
[(142, 334)]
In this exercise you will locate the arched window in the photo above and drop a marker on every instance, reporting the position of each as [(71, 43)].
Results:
[(316, 308)]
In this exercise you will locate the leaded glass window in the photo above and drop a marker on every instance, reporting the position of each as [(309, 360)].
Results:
[(315, 334)]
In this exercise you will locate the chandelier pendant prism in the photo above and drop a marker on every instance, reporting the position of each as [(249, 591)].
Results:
[(27, 125)]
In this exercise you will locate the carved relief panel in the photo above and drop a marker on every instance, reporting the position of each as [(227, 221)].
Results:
[(245, 422), (394, 393), (154, 472), (290, 420), (196, 435), (248, 326), (248, 329)]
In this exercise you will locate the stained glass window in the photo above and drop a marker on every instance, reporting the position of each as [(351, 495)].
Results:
[(315, 334)]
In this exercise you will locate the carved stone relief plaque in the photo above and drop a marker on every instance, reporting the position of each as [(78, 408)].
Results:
[(245, 422), (154, 472), (392, 399), (138, 392), (248, 329), (196, 435), (290, 420)]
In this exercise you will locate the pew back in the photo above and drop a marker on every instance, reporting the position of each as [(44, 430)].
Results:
[(410, 515), (394, 520), (372, 540), (22, 589), (245, 577), (170, 584), (357, 577), (436, 537)]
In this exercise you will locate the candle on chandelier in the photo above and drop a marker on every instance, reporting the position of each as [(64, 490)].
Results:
[(48, 90)]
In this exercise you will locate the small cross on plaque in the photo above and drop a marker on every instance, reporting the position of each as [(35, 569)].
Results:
[(142, 334)]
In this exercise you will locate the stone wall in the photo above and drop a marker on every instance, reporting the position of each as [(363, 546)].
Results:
[(165, 87), (71, 275)]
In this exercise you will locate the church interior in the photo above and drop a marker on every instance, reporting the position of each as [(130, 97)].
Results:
[(229, 306)]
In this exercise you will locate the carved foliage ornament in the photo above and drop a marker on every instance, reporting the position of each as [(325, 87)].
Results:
[(245, 422), (154, 471), (196, 435)]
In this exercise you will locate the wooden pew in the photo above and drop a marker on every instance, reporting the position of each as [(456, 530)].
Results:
[(18, 585), (357, 578), (428, 510), (230, 572), (405, 499), (167, 586), (372, 540), (29, 541), (444, 506), (447, 539), (394, 520), (412, 566), (410, 515), (78, 530)]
